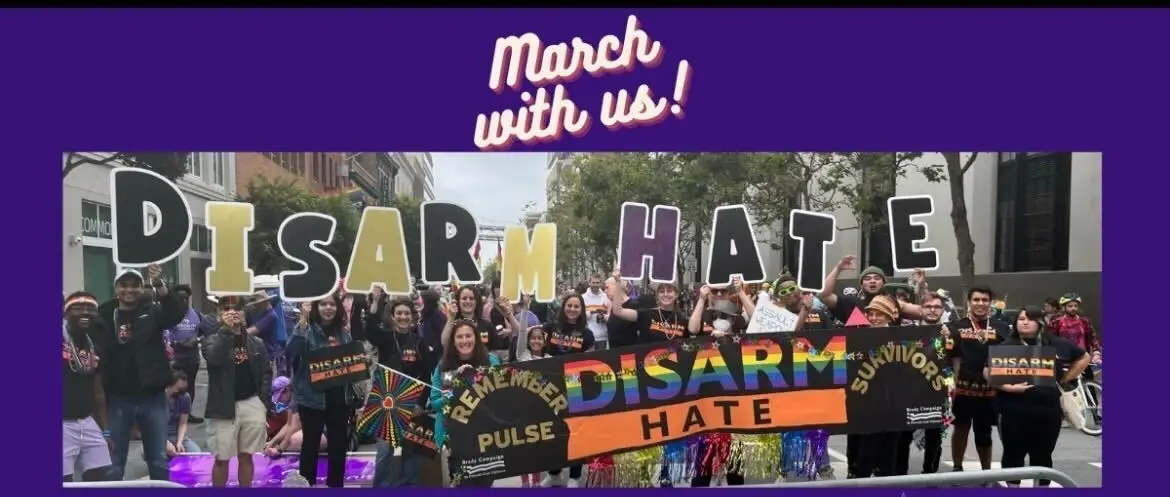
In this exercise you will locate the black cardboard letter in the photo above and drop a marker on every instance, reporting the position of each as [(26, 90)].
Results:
[(302, 239), (908, 233), (815, 232), (137, 195), (447, 250), (733, 249)]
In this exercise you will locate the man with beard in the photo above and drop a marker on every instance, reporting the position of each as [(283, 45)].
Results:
[(85, 448), (130, 341), (932, 312), (873, 283), (974, 403)]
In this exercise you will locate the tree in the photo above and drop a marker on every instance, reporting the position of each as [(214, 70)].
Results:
[(172, 165), (956, 170), (274, 201), (491, 272)]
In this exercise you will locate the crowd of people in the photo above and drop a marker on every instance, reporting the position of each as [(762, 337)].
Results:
[(130, 366)]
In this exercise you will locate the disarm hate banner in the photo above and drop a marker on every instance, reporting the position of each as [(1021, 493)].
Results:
[(541, 415), (1012, 364), (331, 367)]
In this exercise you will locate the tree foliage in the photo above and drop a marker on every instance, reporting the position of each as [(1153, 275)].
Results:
[(956, 171), (171, 165), (274, 201)]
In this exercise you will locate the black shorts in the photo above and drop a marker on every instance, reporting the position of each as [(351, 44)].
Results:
[(977, 410)]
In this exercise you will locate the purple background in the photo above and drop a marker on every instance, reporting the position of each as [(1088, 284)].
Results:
[(414, 80), (194, 470)]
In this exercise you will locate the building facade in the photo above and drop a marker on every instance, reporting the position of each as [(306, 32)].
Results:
[(322, 173), (558, 163), (413, 174), (87, 245)]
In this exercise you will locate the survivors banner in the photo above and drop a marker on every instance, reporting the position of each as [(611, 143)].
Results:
[(541, 415), (1012, 364), (338, 366)]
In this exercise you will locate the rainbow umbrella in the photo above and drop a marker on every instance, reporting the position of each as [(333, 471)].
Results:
[(390, 405)]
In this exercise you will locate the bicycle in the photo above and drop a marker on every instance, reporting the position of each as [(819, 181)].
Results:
[(1089, 395)]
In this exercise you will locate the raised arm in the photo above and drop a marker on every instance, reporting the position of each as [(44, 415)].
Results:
[(695, 323), (828, 295)]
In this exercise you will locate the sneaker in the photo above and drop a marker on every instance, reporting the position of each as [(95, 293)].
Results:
[(193, 419), (552, 481), (572, 483)]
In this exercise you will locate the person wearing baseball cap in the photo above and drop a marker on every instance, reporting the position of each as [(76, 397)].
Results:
[(873, 283), (130, 342)]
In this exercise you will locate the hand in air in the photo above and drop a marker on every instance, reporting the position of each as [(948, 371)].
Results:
[(846, 263)]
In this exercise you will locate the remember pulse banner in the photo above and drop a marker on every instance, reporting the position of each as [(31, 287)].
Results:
[(541, 415)]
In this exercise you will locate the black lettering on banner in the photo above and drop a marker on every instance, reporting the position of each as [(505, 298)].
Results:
[(331, 367), (733, 250), (449, 232), (151, 218), (302, 238), (815, 232), (594, 403), (908, 233)]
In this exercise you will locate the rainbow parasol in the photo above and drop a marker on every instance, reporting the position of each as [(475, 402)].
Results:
[(390, 405)]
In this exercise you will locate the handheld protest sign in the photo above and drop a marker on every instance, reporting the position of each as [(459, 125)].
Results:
[(529, 264), (229, 223), (379, 254), (151, 219), (302, 238), (814, 232), (645, 235), (733, 250), (908, 233), (449, 233), (332, 367), (1013, 364)]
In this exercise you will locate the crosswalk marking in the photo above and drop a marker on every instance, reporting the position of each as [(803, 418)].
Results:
[(996, 465)]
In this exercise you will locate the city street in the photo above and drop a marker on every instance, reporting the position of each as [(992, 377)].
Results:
[(1077, 455)]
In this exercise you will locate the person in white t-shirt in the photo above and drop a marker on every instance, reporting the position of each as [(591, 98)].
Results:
[(597, 311)]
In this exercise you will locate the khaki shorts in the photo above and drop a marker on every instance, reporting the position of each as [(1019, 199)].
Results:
[(244, 435)]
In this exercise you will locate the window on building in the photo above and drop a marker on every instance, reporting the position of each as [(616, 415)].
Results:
[(219, 168), (200, 239), (195, 164), (1031, 212)]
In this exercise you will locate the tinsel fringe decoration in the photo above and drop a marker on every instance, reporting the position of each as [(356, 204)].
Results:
[(804, 453), (636, 469), (949, 379), (755, 456), (602, 473)]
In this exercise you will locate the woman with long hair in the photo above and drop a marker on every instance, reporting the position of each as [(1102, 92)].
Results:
[(663, 322), (467, 305), (464, 353), (569, 334), (1030, 416), (323, 323)]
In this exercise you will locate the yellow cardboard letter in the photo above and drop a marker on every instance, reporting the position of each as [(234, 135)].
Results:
[(229, 223), (529, 264), (379, 253)]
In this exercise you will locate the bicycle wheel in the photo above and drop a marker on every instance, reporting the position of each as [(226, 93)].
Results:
[(1092, 410)]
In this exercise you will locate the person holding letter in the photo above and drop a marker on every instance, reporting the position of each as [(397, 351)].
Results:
[(1030, 416), (661, 323), (322, 324), (130, 343), (468, 305), (873, 283), (239, 383)]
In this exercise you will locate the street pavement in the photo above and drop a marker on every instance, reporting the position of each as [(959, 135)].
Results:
[(1077, 455)]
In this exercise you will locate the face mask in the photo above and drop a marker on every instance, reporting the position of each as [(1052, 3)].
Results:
[(721, 325)]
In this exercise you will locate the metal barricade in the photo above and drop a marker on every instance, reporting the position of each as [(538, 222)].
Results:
[(125, 484), (947, 479)]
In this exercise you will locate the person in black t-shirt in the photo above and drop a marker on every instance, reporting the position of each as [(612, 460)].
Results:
[(974, 403), (391, 329), (661, 323), (130, 342), (570, 333), (468, 306), (873, 283), (1030, 416), (239, 389), (715, 314), (85, 448)]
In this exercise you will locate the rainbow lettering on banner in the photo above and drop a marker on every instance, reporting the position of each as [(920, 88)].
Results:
[(672, 381), (769, 365), (804, 353), (630, 379), (719, 372), (605, 378)]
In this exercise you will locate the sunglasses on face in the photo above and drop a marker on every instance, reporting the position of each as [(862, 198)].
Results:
[(785, 291)]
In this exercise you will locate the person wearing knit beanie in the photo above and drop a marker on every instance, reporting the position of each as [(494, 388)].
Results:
[(872, 280)]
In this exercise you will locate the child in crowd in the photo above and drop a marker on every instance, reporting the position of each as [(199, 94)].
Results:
[(534, 350)]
